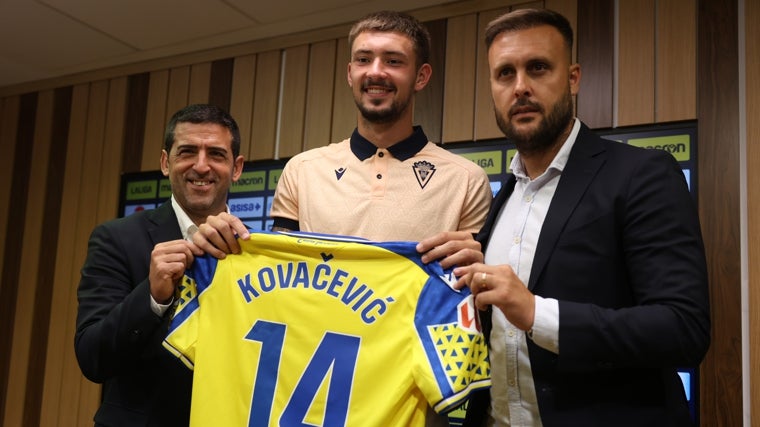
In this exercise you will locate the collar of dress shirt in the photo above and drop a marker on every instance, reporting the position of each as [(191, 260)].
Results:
[(560, 160)]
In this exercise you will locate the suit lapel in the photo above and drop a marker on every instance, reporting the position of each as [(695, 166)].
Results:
[(484, 236), (586, 157), (163, 224)]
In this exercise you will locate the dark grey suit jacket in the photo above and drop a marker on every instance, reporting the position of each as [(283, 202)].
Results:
[(621, 249), (118, 338)]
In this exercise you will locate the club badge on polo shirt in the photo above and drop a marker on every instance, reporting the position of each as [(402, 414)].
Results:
[(424, 171)]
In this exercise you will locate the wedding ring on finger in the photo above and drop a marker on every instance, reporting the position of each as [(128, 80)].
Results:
[(483, 277)]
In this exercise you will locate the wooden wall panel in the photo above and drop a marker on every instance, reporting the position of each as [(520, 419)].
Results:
[(485, 123), (9, 120), (241, 99), (292, 114), (134, 131), (344, 107), (428, 103), (319, 94), (179, 86), (752, 71), (635, 70), (200, 82), (595, 34), (676, 97), (95, 180), (13, 243), (89, 186), (154, 120), (9, 110), (18, 374), (459, 85), (569, 9), (719, 209), (60, 357), (42, 408), (220, 88), (265, 105), (113, 143)]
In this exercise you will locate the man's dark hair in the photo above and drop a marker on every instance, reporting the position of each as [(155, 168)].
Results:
[(203, 113), (399, 22), (523, 19)]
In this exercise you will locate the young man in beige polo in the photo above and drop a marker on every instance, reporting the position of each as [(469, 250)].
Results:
[(387, 181)]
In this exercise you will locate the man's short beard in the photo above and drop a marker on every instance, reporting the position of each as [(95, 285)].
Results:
[(386, 115), (548, 131)]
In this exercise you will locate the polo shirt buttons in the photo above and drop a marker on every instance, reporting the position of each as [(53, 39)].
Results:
[(380, 154), (379, 176)]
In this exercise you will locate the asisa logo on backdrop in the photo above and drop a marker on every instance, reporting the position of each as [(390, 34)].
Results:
[(249, 207)]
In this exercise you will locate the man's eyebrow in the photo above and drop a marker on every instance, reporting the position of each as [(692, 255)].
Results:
[(384, 52)]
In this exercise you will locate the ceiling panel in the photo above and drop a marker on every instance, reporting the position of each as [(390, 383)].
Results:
[(266, 14), (43, 39), (147, 24)]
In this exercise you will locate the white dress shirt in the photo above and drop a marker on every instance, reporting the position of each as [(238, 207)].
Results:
[(513, 241)]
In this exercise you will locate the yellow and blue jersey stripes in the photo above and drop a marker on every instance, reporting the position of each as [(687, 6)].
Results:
[(319, 330)]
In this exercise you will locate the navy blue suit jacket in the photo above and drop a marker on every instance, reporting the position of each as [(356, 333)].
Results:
[(621, 249), (118, 338)]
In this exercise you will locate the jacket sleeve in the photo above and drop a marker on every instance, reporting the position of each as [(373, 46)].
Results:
[(644, 301), (116, 328)]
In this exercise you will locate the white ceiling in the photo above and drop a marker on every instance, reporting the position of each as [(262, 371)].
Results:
[(42, 39)]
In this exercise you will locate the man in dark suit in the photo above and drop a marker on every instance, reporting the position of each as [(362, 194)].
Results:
[(594, 276), (133, 267)]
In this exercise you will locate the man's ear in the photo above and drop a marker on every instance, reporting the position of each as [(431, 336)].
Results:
[(237, 168), (164, 163), (423, 77), (575, 78)]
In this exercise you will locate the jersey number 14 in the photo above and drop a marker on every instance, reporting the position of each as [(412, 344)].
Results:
[(336, 351)]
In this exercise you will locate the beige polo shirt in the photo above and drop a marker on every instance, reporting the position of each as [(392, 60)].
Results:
[(410, 191)]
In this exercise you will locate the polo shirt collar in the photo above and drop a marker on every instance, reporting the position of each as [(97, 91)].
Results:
[(402, 150)]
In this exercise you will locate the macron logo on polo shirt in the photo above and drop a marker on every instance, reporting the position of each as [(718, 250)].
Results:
[(339, 173)]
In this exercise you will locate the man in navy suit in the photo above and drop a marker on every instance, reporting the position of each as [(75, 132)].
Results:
[(594, 276), (133, 267)]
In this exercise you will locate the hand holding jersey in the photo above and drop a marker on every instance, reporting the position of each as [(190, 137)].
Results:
[(218, 235)]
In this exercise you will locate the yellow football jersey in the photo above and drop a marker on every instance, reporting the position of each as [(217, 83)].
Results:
[(315, 330)]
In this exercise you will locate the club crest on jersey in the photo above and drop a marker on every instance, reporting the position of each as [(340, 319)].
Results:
[(449, 278), (423, 170), (339, 173)]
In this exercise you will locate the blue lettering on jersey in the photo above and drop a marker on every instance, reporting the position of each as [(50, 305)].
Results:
[(339, 284)]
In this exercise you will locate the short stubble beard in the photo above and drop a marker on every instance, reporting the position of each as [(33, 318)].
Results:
[(548, 131), (385, 115)]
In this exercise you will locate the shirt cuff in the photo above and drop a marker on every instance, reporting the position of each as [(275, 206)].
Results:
[(545, 331), (159, 309)]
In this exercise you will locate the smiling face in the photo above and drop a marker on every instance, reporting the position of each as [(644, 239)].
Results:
[(201, 168), (532, 83), (383, 76)]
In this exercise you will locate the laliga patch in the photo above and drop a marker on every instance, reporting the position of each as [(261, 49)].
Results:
[(467, 315), (423, 170)]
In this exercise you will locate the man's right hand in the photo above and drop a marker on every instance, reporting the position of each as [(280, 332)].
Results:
[(218, 235), (168, 262)]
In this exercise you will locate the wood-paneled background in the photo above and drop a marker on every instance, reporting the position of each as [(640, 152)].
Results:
[(65, 143)]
